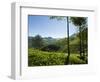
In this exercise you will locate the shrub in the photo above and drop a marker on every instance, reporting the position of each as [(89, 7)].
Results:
[(41, 58), (51, 47), (44, 58), (75, 60), (84, 58)]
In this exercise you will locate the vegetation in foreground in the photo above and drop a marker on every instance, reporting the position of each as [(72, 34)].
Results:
[(44, 58)]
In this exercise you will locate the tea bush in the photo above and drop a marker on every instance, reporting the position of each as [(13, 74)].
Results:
[(43, 58), (75, 60)]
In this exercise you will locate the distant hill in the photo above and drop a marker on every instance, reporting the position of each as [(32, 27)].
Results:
[(30, 41), (50, 40), (47, 40)]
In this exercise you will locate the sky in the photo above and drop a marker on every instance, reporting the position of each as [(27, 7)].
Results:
[(46, 27)]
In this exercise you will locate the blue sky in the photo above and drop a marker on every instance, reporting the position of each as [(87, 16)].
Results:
[(46, 27)]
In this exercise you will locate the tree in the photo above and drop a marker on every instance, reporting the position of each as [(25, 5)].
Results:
[(81, 23), (37, 42), (84, 37), (67, 20)]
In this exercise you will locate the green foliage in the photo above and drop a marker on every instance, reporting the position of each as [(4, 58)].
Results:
[(84, 58), (58, 17), (78, 21), (75, 60), (51, 47), (81, 23), (43, 58)]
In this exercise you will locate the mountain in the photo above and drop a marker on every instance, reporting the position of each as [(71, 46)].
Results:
[(30, 41), (47, 40), (50, 40)]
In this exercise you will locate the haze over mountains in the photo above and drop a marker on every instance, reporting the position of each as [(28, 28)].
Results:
[(48, 40)]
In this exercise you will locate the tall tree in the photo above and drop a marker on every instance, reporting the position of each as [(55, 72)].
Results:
[(67, 62), (81, 23), (67, 20)]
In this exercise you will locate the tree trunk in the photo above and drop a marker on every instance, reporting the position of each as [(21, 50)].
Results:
[(67, 60), (83, 47), (80, 41), (87, 44)]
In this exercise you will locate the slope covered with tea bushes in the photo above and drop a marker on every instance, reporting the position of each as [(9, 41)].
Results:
[(43, 58)]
